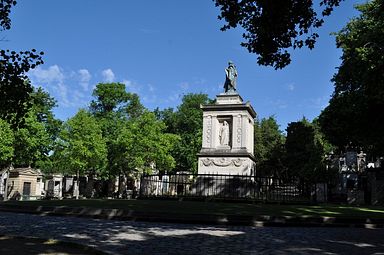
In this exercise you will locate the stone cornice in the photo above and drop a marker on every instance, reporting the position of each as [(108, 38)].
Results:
[(230, 107)]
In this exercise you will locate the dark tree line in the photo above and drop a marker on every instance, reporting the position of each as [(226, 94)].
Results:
[(355, 112)]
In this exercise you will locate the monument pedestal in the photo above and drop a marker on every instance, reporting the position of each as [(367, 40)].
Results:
[(227, 146)]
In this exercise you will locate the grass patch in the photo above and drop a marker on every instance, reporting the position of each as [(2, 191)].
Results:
[(215, 208)]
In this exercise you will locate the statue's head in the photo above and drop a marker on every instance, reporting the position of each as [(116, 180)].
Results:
[(230, 63)]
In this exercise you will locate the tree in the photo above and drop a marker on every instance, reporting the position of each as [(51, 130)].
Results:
[(305, 153), (14, 85), (15, 88), (187, 122), (42, 104), (113, 107), (113, 98), (271, 27), (32, 141), (146, 146), (268, 147), (6, 143), (168, 116), (81, 148), (34, 138), (5, 10), (354, 114)]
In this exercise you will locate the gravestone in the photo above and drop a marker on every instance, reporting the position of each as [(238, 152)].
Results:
[(227, 145)]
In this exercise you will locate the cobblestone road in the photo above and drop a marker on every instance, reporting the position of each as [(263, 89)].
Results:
[(124, 237)]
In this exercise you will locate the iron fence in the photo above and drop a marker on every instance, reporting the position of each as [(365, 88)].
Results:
[(225, 186)]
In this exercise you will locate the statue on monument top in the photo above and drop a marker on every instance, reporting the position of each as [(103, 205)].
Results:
[(230, 78)]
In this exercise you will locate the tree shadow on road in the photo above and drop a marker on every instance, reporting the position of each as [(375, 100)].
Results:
[(128, 237), (35, 246)]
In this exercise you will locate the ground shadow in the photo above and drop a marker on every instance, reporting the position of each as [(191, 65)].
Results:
[(123, 237)]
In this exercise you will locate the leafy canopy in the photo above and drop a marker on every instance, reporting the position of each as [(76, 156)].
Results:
[(146, 145), (113, 107), (6, 143), (81, 148), (187, 122), (272, 27), (355, 111), (305, 151), (5, 10), (32, 141), (268, 147), (15, 88)]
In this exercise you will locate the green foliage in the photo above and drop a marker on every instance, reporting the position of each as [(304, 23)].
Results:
[(305, 153), (81, 148), (189, 125), (168, 116), (6, 143), (32, 142), (145, 144), (14, 85), (111, 129), (355, 111), (109, 96), (268, 147), (42, 105), (5, 10), (113, 107), (113, 98), (321, 138), (35, 131), (187, 122), (271, 27)]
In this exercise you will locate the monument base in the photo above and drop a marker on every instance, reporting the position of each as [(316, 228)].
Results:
[(226, 165)]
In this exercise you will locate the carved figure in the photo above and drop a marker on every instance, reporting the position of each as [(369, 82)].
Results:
[(231, 78), (223, 162), (224, 133)]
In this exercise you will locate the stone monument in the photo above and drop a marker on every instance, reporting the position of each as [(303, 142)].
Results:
[(227, 146)]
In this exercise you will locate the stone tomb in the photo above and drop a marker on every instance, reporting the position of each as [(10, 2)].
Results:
[(227, 146), (24, 184)]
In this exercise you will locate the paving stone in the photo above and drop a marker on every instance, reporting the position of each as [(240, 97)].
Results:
[(127, 237)]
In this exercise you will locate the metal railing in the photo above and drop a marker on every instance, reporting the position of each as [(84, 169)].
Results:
[(225, 186)]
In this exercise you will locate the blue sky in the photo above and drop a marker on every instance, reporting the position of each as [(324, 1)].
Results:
[(164, 49)]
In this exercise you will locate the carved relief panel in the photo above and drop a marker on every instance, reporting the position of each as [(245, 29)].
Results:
[(208, 134)]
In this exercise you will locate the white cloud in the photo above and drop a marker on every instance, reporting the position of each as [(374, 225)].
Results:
[(291, 86), (174, 97), (84, 77), (63, 93), (62, 85), (150, 99), (108, 75), (318, 103), (184, 85), (52, 74), (132, 86), (151, 88)]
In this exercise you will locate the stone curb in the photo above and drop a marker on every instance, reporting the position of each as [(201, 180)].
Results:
[(238, 220)]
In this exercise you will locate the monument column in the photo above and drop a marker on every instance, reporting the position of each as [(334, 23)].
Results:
[(227, 132)]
